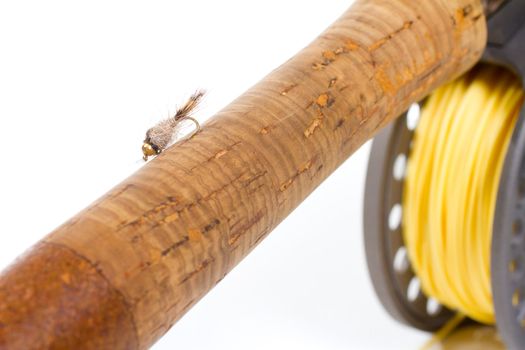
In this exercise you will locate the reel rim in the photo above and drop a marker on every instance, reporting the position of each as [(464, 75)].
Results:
[(508, 243), (383, 191)]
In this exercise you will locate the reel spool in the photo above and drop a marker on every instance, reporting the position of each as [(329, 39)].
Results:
[(394, 280)]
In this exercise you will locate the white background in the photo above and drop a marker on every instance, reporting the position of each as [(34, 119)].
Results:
[(80, 82)]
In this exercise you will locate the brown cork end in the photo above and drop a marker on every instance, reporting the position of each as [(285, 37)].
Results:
[(52, 298)]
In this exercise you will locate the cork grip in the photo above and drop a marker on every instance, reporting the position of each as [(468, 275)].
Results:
[(123, 271)]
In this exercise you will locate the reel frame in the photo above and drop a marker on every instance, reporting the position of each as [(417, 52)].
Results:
[(391, 272)]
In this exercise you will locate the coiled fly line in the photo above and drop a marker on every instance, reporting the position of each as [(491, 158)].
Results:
[(451, 186)]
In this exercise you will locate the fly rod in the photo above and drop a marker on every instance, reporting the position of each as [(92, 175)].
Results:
[(120, 273)]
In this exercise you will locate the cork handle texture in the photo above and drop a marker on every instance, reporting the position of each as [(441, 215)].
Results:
[(123, 271)]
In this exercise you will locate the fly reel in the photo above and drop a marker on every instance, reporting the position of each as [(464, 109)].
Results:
[(392, 273)]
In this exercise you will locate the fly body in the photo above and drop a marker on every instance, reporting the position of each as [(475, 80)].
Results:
[(160, 136)]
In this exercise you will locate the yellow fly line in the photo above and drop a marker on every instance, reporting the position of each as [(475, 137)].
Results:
[(451, 187)]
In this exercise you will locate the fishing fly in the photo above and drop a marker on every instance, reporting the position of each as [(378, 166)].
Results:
[(165, 132)]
